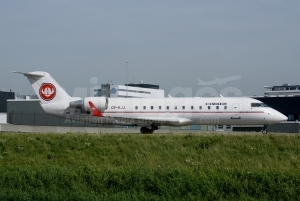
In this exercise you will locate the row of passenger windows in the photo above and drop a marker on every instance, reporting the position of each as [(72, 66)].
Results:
[(183, 107)]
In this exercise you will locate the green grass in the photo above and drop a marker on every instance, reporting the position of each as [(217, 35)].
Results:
[(149, 167)]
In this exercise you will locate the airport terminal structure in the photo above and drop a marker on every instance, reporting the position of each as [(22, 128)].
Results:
[(131, 90), (4, 96)]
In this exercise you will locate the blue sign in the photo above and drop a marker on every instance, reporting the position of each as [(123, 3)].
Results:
[(113, 91)]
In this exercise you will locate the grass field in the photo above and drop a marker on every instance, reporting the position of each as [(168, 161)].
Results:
[(149, 167)]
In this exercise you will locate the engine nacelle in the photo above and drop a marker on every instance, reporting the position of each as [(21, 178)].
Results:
[(101, 103)]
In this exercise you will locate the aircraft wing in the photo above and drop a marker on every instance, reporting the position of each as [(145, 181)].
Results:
[(147, 121)]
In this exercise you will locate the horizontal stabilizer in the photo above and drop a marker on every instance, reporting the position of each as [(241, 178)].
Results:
[(36, 74)]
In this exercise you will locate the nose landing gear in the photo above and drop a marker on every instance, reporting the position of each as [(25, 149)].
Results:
[(265, 129)]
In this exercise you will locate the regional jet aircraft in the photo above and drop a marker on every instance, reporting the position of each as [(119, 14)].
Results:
[(150, 113)]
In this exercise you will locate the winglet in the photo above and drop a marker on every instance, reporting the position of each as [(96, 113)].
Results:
[(94, 110)]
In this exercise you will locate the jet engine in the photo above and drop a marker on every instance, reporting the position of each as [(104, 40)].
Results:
[(101, 103)]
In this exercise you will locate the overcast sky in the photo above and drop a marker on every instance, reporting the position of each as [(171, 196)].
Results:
[(170, 43)]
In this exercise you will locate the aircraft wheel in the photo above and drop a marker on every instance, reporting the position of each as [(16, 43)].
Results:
[(143, 130), (265, 129)]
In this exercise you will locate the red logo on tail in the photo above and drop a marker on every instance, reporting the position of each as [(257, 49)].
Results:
[(47, 91)]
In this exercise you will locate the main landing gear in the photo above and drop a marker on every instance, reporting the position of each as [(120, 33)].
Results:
[(265, 129), (146, 130)]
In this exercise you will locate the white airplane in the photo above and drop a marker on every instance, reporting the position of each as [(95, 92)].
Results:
[(219, 81), (150, 113)]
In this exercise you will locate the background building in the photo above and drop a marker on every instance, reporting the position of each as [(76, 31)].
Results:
[(283, 90), (139, 90), (4, 96)]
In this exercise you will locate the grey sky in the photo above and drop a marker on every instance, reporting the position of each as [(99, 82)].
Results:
[(170, 43)]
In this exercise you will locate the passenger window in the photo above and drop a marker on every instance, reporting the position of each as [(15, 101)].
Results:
[(192, 107), (208, 107), (167, 107), (225, 107), (200, 107), (175, 107), (144, 107), (159, 107), (217, 107), (183, 107), (151, 107), (136, 107)]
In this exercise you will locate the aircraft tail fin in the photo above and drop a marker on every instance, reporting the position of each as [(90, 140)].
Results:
[(45, 87)]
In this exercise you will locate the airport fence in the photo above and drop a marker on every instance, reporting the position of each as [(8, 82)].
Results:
[(35, 119)]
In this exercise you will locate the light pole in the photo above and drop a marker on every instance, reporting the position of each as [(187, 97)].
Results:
[(126, 80)]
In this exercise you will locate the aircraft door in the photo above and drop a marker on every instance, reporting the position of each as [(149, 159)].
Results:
[(168, 107), (235, 111)]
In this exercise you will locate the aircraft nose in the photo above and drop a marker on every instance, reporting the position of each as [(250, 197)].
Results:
[(283, 117), (280, 117), (276, 117)]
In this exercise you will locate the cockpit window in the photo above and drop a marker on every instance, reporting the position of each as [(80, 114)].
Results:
[(264, 105), (255, 105), (259, 105)]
